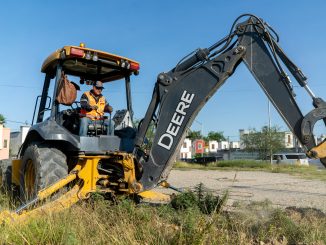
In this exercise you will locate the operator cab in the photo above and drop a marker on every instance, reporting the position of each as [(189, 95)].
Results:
[(87, 66)]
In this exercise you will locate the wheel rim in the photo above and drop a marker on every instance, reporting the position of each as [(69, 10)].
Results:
[(29, 179)]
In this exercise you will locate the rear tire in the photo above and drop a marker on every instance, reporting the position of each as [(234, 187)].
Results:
[(42, 165), (5, 175)]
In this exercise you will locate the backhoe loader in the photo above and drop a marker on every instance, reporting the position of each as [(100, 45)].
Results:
[(54, 157)]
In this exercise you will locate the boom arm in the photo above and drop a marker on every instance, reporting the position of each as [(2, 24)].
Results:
[(180, 93)]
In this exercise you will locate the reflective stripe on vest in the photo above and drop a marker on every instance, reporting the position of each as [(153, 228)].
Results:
[(94, 114)]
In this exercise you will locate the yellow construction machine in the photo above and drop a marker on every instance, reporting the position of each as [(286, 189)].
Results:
[(55, 159)]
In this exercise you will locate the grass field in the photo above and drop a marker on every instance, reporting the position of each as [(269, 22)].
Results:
[(308, 172), (192, 218)]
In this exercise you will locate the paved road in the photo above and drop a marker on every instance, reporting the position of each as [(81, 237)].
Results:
[(282, 189)]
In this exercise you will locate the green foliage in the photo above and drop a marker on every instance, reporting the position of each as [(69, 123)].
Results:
[(305, 172), (200, 199), (194, 135), (242, 164), (184, 201), (217, 136), (2, 119), (232, 164), (267, 141), (128, 223)]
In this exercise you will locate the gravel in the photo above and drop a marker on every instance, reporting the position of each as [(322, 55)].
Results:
[(283, 190)]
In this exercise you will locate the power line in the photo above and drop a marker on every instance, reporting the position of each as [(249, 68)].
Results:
[(16, 86), (12, 121)]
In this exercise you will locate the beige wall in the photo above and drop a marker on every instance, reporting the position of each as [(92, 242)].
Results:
[(5, 141)]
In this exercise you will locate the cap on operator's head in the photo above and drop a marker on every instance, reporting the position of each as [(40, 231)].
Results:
[(98, 84)]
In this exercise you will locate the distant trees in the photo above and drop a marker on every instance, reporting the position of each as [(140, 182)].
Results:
[(212, 135), (267, 141), (217, 136), (2, 119), (194, 135)]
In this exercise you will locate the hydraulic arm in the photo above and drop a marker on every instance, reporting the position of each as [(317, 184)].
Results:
[(180, 93)]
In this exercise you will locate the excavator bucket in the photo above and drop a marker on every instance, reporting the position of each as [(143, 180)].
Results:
[(85, 176), (23, 213), (319, 151)]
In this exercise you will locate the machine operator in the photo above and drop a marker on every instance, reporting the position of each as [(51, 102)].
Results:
[(93, 106)]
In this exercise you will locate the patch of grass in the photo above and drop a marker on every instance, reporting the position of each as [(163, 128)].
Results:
[(206, 202), (100, 222), (194, 218), (307, 172), (232, 164)]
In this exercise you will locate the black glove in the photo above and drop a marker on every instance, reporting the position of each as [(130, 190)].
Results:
[(108, 108)]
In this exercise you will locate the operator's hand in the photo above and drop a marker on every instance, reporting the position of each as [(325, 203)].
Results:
[(108, 108), (94, 107)]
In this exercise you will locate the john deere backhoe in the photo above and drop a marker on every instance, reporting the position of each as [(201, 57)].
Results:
[(54, 157)]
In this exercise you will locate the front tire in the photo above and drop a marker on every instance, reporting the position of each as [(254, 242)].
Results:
[(42, 165)]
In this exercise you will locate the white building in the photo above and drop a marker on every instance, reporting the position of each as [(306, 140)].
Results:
[(235, 144), (289, 139), (242, 133), (223, 145), (4, 142), (186, 149), (17, 139), (213, 146)]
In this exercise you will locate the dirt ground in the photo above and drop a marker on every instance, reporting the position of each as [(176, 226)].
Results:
[(283, 190)]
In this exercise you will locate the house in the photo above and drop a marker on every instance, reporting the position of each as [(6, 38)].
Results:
[(289, 139), (17, 138), (222, 145), (235, 144), (213, 145), (4, 142), (199, 146), (186, 149)]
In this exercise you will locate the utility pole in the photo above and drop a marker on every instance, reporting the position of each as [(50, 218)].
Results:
[(229, 154), (269, 129)]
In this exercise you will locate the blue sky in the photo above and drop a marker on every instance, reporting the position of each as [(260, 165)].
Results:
[(157, 34)]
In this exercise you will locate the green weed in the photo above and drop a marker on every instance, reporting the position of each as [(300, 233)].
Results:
[(198, 217)]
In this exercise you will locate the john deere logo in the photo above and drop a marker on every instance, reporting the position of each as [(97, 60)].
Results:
[(166, 140)]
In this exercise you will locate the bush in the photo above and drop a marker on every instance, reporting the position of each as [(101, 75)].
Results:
[(206, 202)]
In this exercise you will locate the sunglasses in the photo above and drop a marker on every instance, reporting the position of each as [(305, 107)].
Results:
[(99, 88)]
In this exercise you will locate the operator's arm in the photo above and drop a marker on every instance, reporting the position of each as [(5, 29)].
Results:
[(107, 107), (85, 104)]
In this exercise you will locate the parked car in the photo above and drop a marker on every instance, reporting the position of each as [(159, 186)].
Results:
[(290, 158), (207, 159)]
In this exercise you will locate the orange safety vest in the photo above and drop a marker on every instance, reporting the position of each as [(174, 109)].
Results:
[(94, 114)]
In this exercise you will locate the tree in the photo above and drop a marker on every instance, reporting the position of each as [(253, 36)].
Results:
[(194, 135), (267, 141), (217, 136), (2, 119)]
